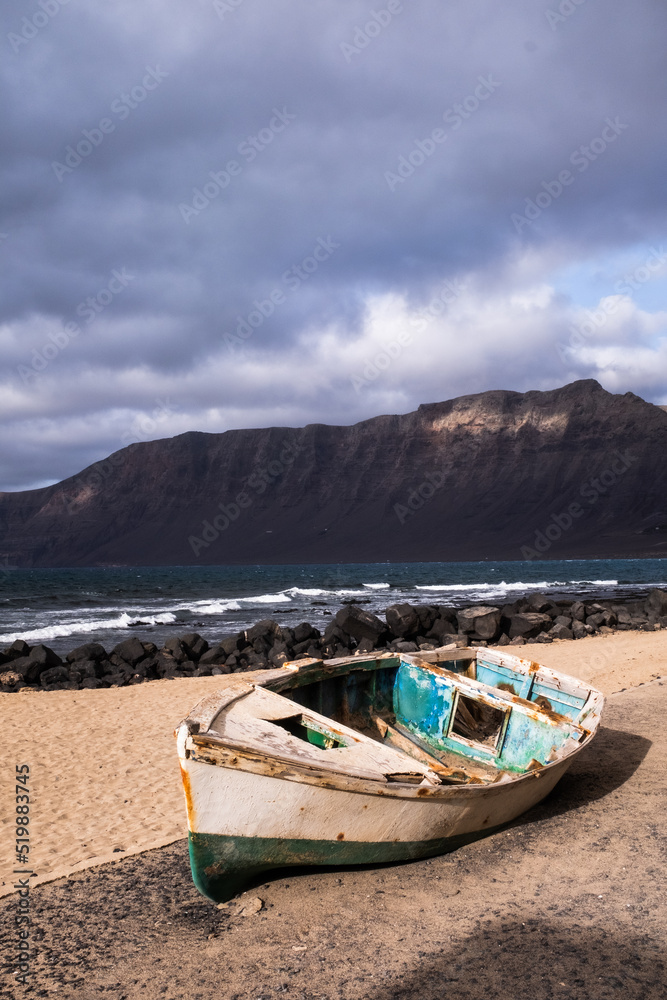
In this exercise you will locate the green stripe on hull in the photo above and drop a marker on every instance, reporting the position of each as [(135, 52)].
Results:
[(222, 865)]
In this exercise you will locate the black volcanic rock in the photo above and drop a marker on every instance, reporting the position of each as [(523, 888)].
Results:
[(360, 624), (441, 630), (18, 648), (528, 625), (574, 471), (39, 659), (305, 633), (54, 675), (656, 604), (89, 651), (267, 631), (195, 645), (213, 657), (481, 620), (131, 650), (402, 619)]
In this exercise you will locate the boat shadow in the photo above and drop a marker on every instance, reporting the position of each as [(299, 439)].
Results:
[(610, 761), (532, 958)]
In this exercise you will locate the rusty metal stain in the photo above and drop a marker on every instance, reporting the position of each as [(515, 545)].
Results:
[(189, 801), (504, 686)]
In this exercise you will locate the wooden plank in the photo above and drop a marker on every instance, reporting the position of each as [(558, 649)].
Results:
[(231, 748), (451, 760), (396, 739), (204, 712), (253, 724), (311, 671)]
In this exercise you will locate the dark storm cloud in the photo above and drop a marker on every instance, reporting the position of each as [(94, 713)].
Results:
[(208, 151)]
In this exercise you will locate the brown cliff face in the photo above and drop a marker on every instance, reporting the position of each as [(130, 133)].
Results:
[(500, 475)]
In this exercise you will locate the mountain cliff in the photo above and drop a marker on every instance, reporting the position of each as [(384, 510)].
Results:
[(576, 471)]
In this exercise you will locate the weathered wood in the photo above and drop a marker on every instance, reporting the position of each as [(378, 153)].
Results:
[(251, 723), (202, 715), (408, 746), (271, 781)]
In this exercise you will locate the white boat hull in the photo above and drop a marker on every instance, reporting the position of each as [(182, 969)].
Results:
[(258, 798)]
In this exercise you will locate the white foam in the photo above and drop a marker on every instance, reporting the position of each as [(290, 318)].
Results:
[(495, 587), (98, 625), (216, 607), (377, 586), (213, 607), (267, 599), (306, 592)]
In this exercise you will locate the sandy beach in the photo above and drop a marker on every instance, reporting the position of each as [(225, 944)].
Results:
[(582, 871)]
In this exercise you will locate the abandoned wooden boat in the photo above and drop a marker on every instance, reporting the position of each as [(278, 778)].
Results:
[(371, 759)]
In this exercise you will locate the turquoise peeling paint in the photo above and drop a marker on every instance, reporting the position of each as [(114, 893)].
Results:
[(561, 702), (528, 686), (493, 675), (423, 704), (223, 866)]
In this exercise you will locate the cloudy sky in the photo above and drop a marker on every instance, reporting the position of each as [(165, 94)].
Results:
[(241, 213)]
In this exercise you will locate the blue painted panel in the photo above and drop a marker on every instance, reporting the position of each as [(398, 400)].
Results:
[(422, 701), (565, 704), (527, 739), (493, 675), (423, 704)]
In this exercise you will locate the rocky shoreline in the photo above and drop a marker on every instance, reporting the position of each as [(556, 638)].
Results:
[(353, 630)]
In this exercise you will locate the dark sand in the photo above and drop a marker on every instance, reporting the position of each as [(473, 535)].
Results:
[(570, 901)]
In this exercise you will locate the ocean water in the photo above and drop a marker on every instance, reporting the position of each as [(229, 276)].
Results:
[(66, 607)]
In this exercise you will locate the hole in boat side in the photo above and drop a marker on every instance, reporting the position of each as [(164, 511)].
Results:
[(477, 723)]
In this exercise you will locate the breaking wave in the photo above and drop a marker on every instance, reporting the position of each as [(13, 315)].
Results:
[(123, 620)]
